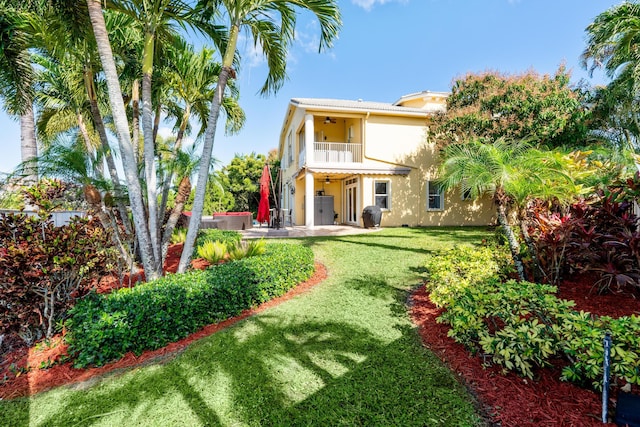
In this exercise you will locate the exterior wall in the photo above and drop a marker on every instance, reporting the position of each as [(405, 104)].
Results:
[(455, 210), (391, 139)]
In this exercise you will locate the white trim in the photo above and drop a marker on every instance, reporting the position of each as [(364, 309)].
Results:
[(387, 194), (440, 193)]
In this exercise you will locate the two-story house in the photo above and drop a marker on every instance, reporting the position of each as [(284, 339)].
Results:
[(339, 156)]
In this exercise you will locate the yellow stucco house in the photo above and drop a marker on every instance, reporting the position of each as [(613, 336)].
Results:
[(339, 156)]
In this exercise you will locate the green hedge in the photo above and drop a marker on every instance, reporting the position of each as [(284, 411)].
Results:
[(102, 328), (522, 325)]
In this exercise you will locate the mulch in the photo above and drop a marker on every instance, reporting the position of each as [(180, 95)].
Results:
[(48, 367), (505, 399), (511, 400)]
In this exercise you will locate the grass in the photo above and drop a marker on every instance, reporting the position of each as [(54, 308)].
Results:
[(345, 353)]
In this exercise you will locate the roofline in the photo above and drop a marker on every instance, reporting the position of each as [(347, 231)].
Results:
[(421, 94), (364, 109)]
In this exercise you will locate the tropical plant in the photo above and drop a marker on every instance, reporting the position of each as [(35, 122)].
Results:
[(179, 235), (612, 43), (16, 74), (270, 24), (212, 251), (505, 170), (74, 165), (43, 268)]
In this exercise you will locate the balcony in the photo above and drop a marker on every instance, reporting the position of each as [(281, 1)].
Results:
[(337, 152)]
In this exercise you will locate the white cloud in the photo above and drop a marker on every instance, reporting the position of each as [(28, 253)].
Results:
[(369, 4)]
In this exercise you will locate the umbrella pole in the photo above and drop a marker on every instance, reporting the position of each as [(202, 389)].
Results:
[(276, 221)]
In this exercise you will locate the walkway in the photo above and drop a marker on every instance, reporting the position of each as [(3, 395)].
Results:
[(302, 231)]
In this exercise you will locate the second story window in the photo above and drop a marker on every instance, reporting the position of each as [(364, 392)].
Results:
[(382, 194)]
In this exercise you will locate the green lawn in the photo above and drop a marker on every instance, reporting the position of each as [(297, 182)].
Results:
[(344, 353)]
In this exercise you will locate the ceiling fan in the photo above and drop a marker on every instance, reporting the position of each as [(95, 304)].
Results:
[(329, 120)]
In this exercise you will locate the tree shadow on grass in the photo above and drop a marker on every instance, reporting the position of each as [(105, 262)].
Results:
[(269, 371)]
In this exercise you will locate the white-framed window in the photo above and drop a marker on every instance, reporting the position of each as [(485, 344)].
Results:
[(435, 196), (382, 194)]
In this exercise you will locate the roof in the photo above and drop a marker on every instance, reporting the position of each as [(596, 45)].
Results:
[(422, 94), (359, 106)]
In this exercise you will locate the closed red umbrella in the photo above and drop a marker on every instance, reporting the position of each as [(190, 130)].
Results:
[(263, 207)]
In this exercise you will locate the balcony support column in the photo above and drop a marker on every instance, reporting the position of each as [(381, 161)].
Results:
[(309, 208), (309, 136)]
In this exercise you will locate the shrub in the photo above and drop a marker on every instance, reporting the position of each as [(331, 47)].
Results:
[(104, 327), (583, 335), (521, 325), (212, 252), (43, 268), (600, 237), (213, 234)]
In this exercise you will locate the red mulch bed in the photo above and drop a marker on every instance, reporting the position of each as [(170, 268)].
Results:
[(510, 400), (38, 378)]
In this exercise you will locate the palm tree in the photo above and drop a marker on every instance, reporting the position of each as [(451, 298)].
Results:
[(613, 42), (16, 76), (271, 24), (507, 171), (191, 80), (151, 264)]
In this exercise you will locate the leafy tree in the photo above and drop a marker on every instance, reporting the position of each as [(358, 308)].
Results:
[(241, 177), (491, 105), (271, 25), (218, 198)]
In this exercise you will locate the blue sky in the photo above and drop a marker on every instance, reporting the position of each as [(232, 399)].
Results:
[(389, 48)]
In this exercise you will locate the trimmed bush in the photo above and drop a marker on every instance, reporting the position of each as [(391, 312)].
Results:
[(521, 325), (102, 328)]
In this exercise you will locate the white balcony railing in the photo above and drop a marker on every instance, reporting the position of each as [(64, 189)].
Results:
[(337, 152)]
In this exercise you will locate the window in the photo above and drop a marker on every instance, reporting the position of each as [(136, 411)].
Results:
[(465, 193), (290, 149), (382, 194), (435, 197)]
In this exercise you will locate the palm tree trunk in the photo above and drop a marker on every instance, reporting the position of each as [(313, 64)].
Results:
[(93, 198), (87, 142), (207, 150), (166, 185), (135, 122), (150, 263), (538, 273), (511, 239), (184, 190), (29, 144), (149, 144), (89, 82)]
